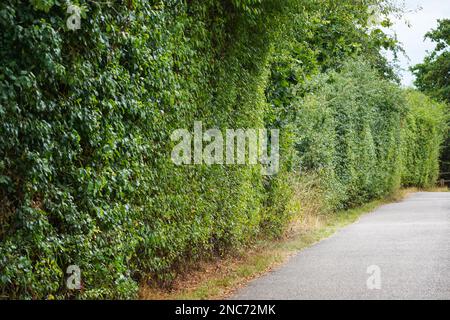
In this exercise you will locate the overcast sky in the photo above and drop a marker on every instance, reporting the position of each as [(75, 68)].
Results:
[(412, 38)]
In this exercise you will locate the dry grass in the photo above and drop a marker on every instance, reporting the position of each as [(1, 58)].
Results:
[(219, 278)]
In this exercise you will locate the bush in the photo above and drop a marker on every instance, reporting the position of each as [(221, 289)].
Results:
[(365, 137), (423, 137), (86, 176)]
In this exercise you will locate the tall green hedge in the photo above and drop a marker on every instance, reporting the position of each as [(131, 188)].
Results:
[(349, 131), (85, 172), (423, 137), (86, 116), (365, 137)]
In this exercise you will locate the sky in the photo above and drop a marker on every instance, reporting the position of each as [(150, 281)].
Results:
[(412, 37)]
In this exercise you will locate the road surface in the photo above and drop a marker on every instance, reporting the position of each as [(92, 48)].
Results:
[(399, 251)]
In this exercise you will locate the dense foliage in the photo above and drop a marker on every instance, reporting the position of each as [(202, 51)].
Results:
[(349, 130), (323, 36), (86, 176), (433, 75), (423, 135), (365, 137), (86, 115), (433, 78)]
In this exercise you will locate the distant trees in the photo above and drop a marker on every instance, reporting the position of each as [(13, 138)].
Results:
[(433, 74)]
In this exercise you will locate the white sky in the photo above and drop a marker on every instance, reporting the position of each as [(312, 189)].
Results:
[(412, 38)]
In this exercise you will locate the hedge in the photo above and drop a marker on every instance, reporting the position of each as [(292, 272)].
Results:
[(366, 137), (349, 131), (85, 174)]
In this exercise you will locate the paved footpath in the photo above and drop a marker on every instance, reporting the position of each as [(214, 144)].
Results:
[(399, 251)]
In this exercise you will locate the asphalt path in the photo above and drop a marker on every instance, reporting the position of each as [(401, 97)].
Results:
[(399, 251)]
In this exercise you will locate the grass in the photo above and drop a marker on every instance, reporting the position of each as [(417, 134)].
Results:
[(218, 279)]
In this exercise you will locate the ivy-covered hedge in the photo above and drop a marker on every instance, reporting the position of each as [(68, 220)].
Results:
[(85, 171)]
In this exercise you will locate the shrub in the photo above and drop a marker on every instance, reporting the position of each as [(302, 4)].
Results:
[(86, 176), (362, 136), (423, 136)]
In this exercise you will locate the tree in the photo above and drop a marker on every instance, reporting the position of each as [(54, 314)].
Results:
[(433, 75)]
